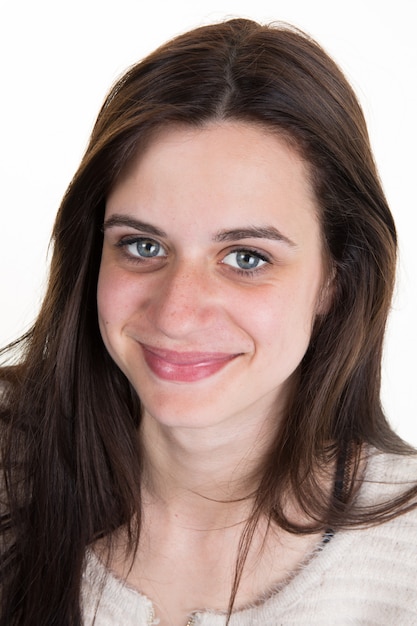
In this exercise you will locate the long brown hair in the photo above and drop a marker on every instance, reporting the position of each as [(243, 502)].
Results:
[(71, 457)]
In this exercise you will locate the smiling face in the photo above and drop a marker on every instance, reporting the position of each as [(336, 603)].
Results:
[(211, 274)]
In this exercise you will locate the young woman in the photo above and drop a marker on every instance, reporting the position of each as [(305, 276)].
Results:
[(192, 430)]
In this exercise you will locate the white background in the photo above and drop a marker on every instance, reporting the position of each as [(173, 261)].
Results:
[(58, 60)]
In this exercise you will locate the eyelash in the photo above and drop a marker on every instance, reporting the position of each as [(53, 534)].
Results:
[(124, 243), (248, 273)]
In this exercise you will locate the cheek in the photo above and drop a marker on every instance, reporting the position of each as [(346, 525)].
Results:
[(105, 307), (114, 307), (284, 320), (117, 296), (113, 298), (106, 297)]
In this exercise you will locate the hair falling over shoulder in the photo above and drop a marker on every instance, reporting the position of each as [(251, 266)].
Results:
[(71, 457)]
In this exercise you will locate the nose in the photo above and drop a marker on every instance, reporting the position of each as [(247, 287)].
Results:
[(184, 301)]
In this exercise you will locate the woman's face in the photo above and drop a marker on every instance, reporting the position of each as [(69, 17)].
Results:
[(211, 274)]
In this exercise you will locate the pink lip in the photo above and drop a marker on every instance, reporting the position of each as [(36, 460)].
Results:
[(184, 366)]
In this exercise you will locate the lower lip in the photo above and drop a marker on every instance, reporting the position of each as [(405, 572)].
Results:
[(189, 372)]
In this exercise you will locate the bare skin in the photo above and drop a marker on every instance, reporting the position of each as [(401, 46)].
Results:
[(212, 276), (189, 542)]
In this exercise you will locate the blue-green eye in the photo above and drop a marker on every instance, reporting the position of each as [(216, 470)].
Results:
[(144, 248), (245, 260)]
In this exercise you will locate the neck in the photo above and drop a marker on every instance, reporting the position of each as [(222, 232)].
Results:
[(206, 473)]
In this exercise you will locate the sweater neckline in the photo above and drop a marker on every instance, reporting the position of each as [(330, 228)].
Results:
[(284, 594), (278, 597)]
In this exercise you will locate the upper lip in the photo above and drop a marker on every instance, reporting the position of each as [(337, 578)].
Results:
[(188, 357)]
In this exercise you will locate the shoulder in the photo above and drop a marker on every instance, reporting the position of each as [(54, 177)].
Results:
[(389, 480), (395, 466), (365, 575), (106, 600), (388, 477)]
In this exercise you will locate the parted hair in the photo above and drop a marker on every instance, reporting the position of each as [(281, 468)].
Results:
[(71, 456)]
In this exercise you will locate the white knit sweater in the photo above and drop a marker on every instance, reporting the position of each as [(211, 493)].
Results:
[(366, 577)]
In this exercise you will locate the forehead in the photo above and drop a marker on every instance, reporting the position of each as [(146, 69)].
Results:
[(245, 149), (193, 183), (226, 175)]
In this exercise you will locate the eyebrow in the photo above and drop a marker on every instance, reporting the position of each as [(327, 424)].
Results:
[(125, 220), (234, 234), (253, 232)]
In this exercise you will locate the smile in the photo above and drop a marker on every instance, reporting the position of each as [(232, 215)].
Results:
[(184, 366)]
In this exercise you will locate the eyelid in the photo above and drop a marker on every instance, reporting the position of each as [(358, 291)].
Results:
[(128, 240), (251, 250), (124, 241), (262, 256)]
